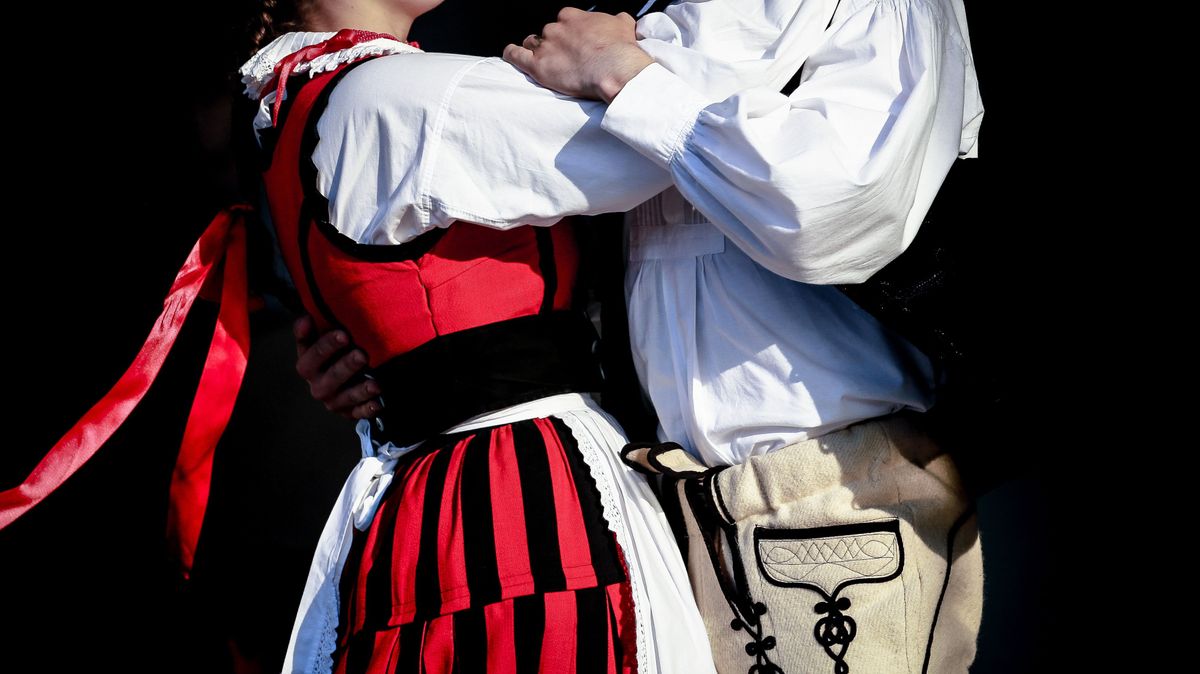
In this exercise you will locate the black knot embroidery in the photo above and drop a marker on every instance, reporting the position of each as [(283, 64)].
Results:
[(835, 631), (757, 649)]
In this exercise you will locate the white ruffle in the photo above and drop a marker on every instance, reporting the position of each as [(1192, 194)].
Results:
[(258, 72), (670, 633)]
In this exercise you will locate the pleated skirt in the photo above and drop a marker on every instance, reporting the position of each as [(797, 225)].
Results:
[(490, 553)]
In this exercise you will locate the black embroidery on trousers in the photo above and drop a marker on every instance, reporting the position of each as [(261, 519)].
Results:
[(702, 498), (835, 630), (827, 560)]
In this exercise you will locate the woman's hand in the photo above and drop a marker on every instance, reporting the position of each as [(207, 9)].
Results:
[(329, 364), (583, 54)]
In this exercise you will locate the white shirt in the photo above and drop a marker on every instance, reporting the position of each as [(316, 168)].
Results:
[(736, 348)]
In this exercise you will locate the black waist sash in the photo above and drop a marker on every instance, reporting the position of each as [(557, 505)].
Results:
[(462, 374)]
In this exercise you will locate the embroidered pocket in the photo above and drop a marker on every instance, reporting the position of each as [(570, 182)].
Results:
[(827, 560)]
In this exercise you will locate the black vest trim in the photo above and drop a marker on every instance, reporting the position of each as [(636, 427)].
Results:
[(549, 267)]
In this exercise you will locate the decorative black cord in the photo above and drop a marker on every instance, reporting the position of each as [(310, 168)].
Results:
[(759, 647), (835, 629), (747, 612)]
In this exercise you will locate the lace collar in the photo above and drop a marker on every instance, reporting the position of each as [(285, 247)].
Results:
[(258, 72)]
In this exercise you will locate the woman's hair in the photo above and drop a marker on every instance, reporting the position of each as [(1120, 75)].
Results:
[(272, 18)]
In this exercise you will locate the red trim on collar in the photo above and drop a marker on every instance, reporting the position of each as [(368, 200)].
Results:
[(343, 39)]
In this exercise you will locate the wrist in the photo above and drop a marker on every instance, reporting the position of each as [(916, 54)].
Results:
[(626, 65)]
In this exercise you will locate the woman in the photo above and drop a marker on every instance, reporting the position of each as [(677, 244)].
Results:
[(497, 529)]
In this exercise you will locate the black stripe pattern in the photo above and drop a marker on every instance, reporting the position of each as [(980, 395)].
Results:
[(541, 521), (591, 626), (479, 532), (529, 629)]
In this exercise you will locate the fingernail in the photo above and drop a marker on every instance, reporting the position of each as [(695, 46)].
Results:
[(359, 358), (372, 390), (340, 337)]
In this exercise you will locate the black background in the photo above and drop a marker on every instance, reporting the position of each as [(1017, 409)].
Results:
[(117, 144)]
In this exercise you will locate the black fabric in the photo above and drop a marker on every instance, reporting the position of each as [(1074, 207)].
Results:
[(937, 296), (618, 647), (461, 374), (548, 266), (479, 533), (541, 519), (379, 577), (412, 637), (529, 629), (470, 642), (602, 271), (428, 579), (591, 629), (358, 654), (314, 205)]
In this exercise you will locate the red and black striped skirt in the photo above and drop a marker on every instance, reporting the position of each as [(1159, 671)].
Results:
[(490, 553)]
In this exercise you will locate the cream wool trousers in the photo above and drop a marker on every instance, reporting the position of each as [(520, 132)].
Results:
[(853, 552)]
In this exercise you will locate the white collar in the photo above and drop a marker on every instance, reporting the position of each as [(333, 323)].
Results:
[(258, 72)]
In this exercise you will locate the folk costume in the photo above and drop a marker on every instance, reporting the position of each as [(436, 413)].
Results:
[(496, 527), (824, 531)]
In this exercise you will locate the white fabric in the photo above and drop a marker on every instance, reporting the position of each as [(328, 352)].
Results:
[(664, 608), (259, 71), (737, 353), (670, 633), (314, 633)]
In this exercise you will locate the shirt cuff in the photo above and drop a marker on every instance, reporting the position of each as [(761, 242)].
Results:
[(654, 114)]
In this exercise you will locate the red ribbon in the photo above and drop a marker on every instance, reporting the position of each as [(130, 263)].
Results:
[(225, 238), (343, 39)]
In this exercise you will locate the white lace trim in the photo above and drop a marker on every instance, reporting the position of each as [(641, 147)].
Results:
[(258, 72), (609, 502)]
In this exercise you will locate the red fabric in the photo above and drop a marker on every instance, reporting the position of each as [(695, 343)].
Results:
[(452, 562), (406, 545), (384, 643), (438, 651), (383, 582), (561, 638), (572, 530), (501, 638), (620, 601), (223, 239), (508, 508), (212, 406)]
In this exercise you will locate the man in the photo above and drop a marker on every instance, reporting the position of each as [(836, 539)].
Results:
[(825, 536)]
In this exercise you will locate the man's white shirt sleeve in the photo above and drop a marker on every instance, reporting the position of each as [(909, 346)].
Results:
[(829, 184)]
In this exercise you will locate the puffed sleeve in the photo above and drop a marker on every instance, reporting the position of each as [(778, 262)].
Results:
[(828, 184)]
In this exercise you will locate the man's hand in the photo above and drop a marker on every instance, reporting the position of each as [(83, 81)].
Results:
[(584, 54), (328, 368)]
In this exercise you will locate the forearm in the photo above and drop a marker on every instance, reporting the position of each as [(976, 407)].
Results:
[(509, 153)]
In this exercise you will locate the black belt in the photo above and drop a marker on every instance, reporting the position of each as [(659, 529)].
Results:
[(462, 374)]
